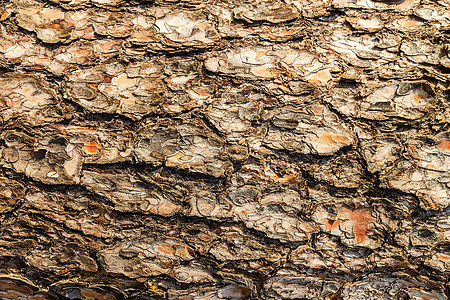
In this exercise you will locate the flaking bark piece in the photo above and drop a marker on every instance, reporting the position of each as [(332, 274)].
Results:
[(265, 173), (62, 258), (49, 159), (290, 284), (110, 89), (179, 30), (187, 146), (83, 53), (81, 290), (438, 259), (20, 51), (129, 193), (235, 111), (280, 32), (75, 211), (363, 51), (146, 256), (405, 101), (269, 11), (31, 100), (268, 63), (312, 9), (422, 51), (123, 25), (380, 150), (158, 29), (385, 286), (401, 5), (56, 155), (344, 171), (77, 4), (355, 222), (194, 272), (201, 151), (140, 88), (11, 192), (371, 23), (440, 18), (424, 170), (233, 244), (278, 212), (99, 143), (308, 130), (56, 252), (187, 88), (273, 217), (53, 25), (12, 287), (328, 253)]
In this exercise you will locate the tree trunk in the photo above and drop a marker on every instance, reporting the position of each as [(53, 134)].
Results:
[(269, 149)]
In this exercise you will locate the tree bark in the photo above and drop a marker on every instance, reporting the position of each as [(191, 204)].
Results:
[(267, 149)]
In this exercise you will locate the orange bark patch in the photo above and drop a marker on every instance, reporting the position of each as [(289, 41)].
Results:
[(38, 298), (320, 77), (3, 16), (443, 257), (94, 295), (318, 110), (266, 71), (202, 92), (202, 26), (55, 25), (51, 14), (260, 54), (143, 36), (327, 138), (306, 227), (9, 285), (183, 253), (419, 98), (91, 147), (165, 249), (106, 45), (110, 89), (123, 81), (129, 100), (123, 30), (287, 31), (166, 209), (340, 139), (204, 237), (409, 23), (404, 5), (444, 144), (361, 218), (331, 223), (81, 52)]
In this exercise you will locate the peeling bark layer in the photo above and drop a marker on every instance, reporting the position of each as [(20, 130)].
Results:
[(270, 149)]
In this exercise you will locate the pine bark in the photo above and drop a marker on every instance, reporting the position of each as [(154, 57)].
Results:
[(268, 149)]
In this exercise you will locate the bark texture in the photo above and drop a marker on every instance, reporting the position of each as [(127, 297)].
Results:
[(224, 149)]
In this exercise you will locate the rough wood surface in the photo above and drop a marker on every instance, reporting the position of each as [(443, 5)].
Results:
[(224, 149)]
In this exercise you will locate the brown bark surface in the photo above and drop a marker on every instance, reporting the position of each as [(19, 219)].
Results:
[(224, 149)]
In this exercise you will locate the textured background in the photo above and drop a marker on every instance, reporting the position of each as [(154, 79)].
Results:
[(224, 149)]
